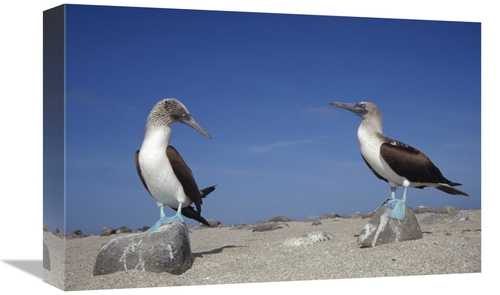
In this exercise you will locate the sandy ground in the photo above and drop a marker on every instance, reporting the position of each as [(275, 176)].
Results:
[(237, 255)]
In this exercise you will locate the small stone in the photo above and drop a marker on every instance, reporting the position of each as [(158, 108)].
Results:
[(308, 239), (107, 231), (452, 211), (76, 234), (316, 222), (58, 233), (266, 226), (329, 216), (123, 229), (280, 218), (466, 218)]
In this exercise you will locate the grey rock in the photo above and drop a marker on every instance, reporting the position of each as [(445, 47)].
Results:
[(107, 231), (58, 233), (308, 239), (266, 226), (316, 222), (280, 218), (46, 255), (329, 216), (382, 229), (452, 211), (142, 229), (75, 235), (165, 250), (45, 227), (123, 229), (466, 218), (424, 209)]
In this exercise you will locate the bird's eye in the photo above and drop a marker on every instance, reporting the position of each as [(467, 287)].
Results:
[(183, 114), (362, 105)]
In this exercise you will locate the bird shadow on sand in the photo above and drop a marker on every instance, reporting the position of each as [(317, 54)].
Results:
[(33, 267), (215, 251)]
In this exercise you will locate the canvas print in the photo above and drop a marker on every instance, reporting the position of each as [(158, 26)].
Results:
[(192, 147)]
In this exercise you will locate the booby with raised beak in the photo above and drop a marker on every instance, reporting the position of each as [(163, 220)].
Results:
[(395, 162), (162, 170)]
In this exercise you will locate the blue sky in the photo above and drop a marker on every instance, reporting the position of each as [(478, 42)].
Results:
[(260, 84)]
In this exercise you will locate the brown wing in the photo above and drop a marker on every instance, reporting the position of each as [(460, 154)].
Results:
[(185, 176), (139, 170), (410, 163)]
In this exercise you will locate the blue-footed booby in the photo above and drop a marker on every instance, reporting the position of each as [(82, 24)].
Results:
[(395, 162), (162, 170)]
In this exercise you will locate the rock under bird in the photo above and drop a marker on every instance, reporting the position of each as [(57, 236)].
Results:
[(393, 161), (162, 170)]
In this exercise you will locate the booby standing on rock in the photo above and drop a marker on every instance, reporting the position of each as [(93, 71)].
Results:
[(162, 170), (395, 162)]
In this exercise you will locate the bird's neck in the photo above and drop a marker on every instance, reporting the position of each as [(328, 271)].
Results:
[(157, 137), (370, 128)]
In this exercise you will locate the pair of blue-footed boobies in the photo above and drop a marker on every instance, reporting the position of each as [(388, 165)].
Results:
[(395, 162), (162, 170), (169, 180)]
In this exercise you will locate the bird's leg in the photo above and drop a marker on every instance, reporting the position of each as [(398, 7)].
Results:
[(178, 215), (396, 208), (166, 220), (162, 211), (406, 184), (393, 192)]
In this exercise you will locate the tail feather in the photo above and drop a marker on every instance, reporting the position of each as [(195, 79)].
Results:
[(448, 188), (189, 212), (204, 192)]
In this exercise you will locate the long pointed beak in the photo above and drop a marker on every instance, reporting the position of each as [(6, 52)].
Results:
[(188, 120), (353, 107)]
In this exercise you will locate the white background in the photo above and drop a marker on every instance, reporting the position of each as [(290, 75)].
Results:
[(21, 141)]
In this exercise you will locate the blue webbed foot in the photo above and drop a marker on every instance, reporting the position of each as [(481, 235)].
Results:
[(166, 220), (396, 209)]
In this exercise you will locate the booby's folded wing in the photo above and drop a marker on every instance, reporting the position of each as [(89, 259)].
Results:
[(410, 163), (185, 177)]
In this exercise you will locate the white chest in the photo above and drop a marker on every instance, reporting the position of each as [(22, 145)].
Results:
[(157, 171), (369, 144)]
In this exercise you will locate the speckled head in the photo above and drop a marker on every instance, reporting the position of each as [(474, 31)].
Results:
[(170, 110)]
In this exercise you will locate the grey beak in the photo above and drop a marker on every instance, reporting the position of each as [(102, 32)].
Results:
[(188, 120), (353, 107)]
